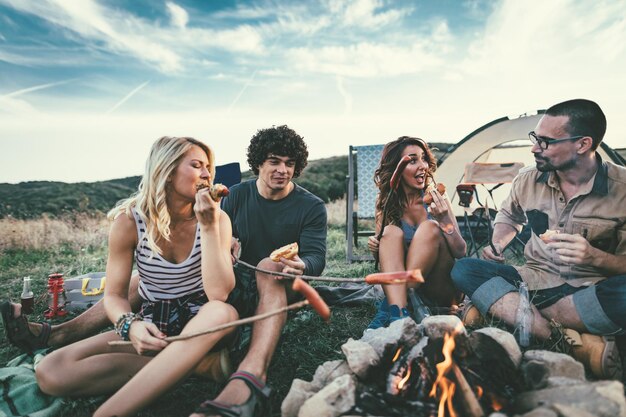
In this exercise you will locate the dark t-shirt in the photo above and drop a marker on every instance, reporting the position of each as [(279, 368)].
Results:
[(264, 225)]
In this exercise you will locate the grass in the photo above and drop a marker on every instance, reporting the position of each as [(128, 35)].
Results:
[(77, 245)]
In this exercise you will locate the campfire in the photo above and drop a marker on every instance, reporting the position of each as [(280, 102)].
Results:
[(438, 369)]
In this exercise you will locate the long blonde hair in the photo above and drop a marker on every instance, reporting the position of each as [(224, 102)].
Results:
[(150, 199)]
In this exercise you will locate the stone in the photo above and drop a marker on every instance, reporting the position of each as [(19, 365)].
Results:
[(435, 327), (557, 364), (502, 338), (384, 340), (299, 392), (328, 372), (541, 412), (361, 357), (564, 410), (601, 398), (333, 400)]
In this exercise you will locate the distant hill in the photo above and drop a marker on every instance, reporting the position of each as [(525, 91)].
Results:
[(325, 178)]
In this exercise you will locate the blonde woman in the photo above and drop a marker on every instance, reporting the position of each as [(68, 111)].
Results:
[(180, 240)]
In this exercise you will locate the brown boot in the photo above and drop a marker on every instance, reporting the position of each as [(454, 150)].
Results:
[(215, 366), (599, 354), (470, 316)]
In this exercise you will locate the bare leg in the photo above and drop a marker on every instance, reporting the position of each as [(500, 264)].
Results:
[(506, 308), (170, 366), (88, 323), (564, 312), (429, 253), (391, 255), (92, 367), (265, 334)]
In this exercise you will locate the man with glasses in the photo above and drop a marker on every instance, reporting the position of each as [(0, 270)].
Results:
[(577, 278)]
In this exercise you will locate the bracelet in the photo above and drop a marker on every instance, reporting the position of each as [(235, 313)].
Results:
[(122, 326)]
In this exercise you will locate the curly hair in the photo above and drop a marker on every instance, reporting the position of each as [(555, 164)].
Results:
[(150, 200), (392, 153), (280, 141)]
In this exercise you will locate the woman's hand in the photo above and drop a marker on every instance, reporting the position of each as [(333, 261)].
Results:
[(207, 211), (373, 244), (146, 337), (439, 209)]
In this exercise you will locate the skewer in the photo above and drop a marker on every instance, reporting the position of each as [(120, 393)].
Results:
[(214, 329)]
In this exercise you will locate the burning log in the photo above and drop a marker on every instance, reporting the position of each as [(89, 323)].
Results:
[(467, 397)]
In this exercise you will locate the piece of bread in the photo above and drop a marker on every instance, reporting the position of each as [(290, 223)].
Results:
[(428, 198), (548, 235), (288, 252)]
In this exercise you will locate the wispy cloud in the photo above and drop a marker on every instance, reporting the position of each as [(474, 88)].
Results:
[(127, 97), (34, 88), (347, 98), (179, 16)]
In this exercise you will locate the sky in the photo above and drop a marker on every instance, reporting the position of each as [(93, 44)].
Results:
[(87, 86)]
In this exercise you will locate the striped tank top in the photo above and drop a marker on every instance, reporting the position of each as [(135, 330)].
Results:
[(160, 279)]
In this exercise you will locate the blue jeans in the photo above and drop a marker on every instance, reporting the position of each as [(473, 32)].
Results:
[(601, 307)]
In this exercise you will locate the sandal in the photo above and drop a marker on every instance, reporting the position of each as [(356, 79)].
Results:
[(18, 333), (257, 404)]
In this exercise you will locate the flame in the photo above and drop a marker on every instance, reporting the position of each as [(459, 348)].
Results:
[(406, 378), (446, 386), (495, 404), (395, 358), (479, 392)]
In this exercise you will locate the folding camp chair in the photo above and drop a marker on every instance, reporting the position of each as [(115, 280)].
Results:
[(228, 174), (362, 162), (478, 199)]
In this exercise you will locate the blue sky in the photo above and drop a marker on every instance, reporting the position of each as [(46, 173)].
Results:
[(87, 86)]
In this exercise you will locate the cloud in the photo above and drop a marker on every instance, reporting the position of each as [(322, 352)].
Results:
[(34, 88), (366, 59), (127, 97), (347, 98), (179, 16), (365, 13)]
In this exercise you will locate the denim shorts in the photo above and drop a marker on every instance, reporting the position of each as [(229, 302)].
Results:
[(601, 307)]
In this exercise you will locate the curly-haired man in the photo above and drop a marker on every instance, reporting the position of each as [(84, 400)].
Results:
[(268, 212)]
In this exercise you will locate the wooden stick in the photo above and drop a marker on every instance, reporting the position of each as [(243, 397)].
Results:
[(304, 277), (468, 398), (235, 323)]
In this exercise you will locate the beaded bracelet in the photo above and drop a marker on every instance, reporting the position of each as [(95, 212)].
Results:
[(122, 327)]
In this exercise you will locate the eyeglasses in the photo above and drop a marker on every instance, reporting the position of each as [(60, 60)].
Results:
[(544, 141)]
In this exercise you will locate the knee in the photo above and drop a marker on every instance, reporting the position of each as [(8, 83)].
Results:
[(392, 231), (429, 230), (267, 282), (50, 376), (459, 272), (219, 311)]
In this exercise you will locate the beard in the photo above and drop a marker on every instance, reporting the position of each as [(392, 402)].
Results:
[(546, 165)]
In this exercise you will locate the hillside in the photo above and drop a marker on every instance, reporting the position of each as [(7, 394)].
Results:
[(325, 178)]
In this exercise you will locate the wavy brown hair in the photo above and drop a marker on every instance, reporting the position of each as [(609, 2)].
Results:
[(392, 153)]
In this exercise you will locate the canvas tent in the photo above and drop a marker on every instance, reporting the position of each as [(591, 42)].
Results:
[(503, 140)]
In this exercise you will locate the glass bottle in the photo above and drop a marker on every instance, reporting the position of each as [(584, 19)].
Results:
[(420, 310), (27, 297), (523, 317)]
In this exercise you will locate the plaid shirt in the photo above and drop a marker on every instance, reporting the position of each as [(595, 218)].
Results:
[(171, 316), (597, 212)]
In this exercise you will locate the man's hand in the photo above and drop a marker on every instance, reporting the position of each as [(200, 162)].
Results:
[(573, 249), (490, 256), (293, 266), (146, 337), (235, 249)]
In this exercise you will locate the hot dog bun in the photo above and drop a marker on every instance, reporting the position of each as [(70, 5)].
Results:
[(548, 235), (428, 198), (216, 191), (288, 252)]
